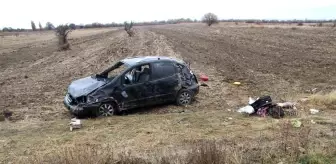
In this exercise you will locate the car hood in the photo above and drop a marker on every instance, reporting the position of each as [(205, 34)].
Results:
[(84, 86)]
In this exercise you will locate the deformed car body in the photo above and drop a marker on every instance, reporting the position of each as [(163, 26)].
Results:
[(131, 83)]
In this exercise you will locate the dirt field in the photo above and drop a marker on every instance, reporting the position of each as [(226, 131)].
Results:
[(285, 63)]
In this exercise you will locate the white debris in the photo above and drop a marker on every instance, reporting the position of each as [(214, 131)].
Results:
[(286, 104), (304, 99), (251, 100), (314, 111), (246, 109), (75, 124)]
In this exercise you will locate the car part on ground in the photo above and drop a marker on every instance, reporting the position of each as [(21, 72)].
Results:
[(131, 83), (75, 124)]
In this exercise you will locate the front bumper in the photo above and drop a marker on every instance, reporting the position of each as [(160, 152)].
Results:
[(80, 110)]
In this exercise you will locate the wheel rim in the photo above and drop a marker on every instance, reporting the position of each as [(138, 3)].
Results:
[(106, 110), (185, 98)]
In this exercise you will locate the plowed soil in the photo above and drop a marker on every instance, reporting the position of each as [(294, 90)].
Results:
[(281, 62)]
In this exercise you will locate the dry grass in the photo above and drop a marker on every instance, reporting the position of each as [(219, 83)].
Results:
[(324, 101), (286, 144)]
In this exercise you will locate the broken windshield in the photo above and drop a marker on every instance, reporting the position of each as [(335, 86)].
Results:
[(113, 71)]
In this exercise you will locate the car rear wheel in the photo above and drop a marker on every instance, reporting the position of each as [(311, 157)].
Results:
[(106, 109), (184, 97)]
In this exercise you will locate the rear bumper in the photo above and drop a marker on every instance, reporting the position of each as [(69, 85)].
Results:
[(194, 89)]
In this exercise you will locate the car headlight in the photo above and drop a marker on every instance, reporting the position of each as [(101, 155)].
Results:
[(90, 99)]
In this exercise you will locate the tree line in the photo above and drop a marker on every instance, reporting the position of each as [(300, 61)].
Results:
[(50, 26), (208, 18)]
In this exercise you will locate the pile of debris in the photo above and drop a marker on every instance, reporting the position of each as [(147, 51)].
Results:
[(5, 115), (263, 106)]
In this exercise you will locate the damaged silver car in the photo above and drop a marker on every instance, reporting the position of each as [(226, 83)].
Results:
[(132, 83)]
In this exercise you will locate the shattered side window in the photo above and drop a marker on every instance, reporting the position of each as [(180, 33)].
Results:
[(138, 74), (162, 70)]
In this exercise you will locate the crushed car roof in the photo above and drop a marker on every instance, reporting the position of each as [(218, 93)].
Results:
[(137, 60)]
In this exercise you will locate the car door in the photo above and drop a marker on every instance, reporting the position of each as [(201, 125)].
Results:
[(165, 80), (137, 90)]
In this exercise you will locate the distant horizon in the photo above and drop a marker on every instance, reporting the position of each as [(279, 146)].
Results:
[(19, 13), (199, 20)]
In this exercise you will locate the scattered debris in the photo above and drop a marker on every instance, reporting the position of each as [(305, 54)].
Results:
[(314, 90), (286, 105), (262, 111), (291, 112), (251, 100), (261, 102), (7, 113), (314, 111), (304, 99), (246, 109), (204, 77), (296, 123), (75, 124), (263, 106), (276, 112), (236, 83), (312, 121), (230, 118), (204, 85)]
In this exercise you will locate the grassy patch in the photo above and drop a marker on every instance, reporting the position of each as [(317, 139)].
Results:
[(316, 159), (324, 101), (285, 144)]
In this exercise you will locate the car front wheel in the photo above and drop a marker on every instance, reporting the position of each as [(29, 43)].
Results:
[(105, 110), (184, 97)]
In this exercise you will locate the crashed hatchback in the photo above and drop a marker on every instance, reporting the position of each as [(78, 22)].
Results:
[(132, 83)]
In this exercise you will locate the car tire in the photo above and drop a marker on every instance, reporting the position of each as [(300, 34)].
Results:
[(106, 109), (184, 97)]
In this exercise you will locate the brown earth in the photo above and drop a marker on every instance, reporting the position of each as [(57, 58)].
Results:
[(281, 62)]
